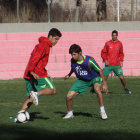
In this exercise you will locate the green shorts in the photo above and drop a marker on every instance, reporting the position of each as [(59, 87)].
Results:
[(116, 69), (38, 84), (81, 86)]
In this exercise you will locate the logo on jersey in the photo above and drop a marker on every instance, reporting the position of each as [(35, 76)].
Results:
[(110, 46), (80, 71), (117, 47)]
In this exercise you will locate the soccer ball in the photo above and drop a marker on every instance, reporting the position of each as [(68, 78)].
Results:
[(23, 116)]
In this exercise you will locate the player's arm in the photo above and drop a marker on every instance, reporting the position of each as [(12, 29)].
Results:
[(93, 65), (34, 75), (121, 55), (68, 75), (35, 57), (104, 54)]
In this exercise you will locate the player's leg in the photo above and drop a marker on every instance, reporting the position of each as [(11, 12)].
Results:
[(44, 86), (96, 83), (118, 71), (47, 91), (112, 74), (79, 87), (124, 85), (69, 98), (97, 89), (30, 87), (107, 71), (27, 104), (122, 81)]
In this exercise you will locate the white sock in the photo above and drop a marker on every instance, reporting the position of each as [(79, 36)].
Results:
[(102, 109), (37, 94), (70, 112), (21, 111)]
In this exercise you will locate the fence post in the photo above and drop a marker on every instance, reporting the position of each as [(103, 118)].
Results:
[(118, 10), (78, 4), (132, 10), (49, 20), (17, 11)]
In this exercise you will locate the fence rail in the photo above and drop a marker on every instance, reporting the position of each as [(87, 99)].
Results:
[(22, 11)]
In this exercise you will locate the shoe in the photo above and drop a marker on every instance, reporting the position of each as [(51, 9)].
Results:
[(34, 97), (103, 115), (21, 111), (127, 91), (68, 116), (15, 120)]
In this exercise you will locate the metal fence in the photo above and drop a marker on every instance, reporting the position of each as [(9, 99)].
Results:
[(23, 11)]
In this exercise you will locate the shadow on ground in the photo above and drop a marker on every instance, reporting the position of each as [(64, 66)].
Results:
[(16, 132), (37, 115), (84, 114)]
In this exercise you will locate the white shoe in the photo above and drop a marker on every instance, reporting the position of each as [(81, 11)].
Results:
[(68, 116), (34, 97), (21, 111), (103, 115)]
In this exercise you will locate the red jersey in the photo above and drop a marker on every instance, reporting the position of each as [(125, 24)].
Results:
[(113, 53), (39, 59)]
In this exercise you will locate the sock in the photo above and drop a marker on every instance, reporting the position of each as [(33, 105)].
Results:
[(70, 112), (102, 109), (21, 111), (37, 94)]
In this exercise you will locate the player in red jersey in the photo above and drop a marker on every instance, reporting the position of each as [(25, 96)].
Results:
[(38, 82), (113, 56)]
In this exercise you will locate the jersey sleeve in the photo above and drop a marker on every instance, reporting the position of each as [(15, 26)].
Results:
[(121, 54), (37, 53), (104, 52), (93, 65)]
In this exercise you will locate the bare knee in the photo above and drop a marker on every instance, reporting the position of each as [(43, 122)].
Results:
[(30, 100), (97, 89), (99, 93), (69, 97), (106, 77), (54, 91), (121, 78)]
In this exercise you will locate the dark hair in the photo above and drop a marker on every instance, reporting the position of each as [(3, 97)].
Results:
[(115, 31), (74, 48), (54, 32)]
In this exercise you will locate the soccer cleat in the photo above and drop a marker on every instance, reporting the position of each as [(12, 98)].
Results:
[(68, 116), (34, 97), (103, 115), (127, 91)]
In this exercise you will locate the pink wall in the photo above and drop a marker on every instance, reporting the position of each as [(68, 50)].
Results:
[(15, 49)]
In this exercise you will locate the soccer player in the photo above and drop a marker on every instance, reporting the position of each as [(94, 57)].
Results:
[(37, 80), (89, 74), (113, 56)]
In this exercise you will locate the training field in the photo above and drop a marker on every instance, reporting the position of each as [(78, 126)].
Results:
[(46, 119)]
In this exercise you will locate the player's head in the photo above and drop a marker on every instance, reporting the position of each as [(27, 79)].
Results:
[(54, 35), (75, 51), (114, 35)]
